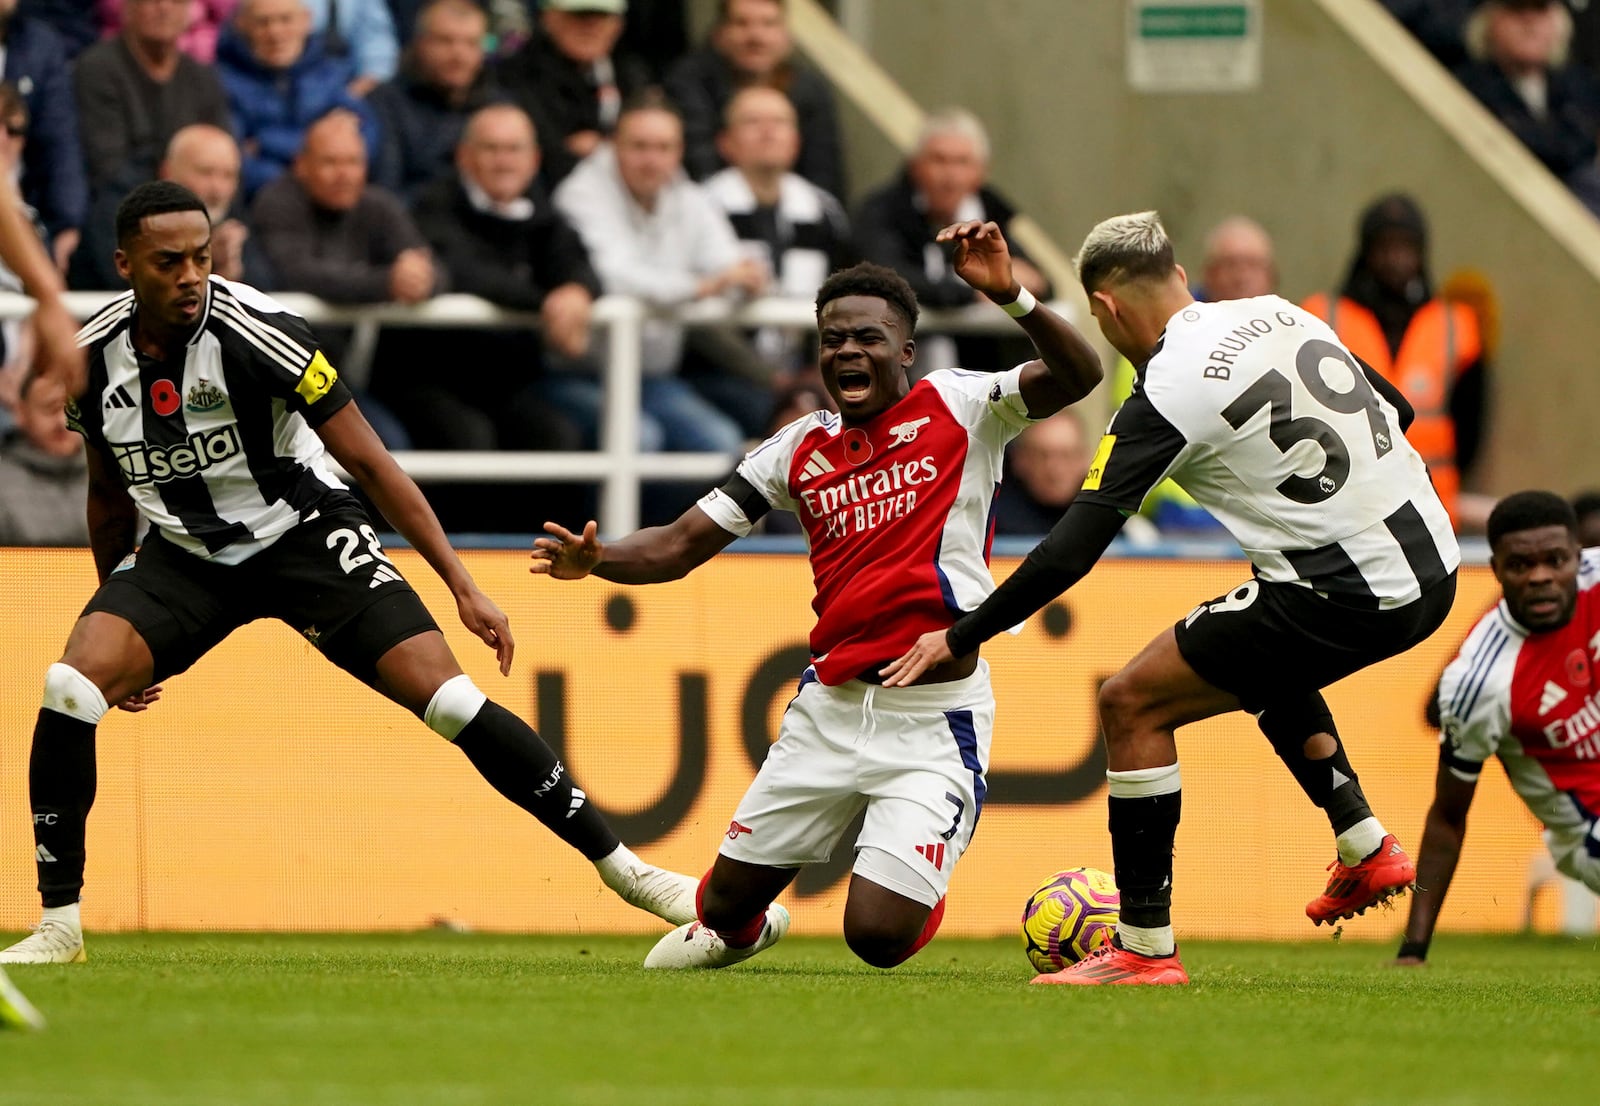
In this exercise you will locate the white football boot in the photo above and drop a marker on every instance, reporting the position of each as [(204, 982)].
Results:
[(667, 895), (16, 1012), (52, 942), (695, 946)]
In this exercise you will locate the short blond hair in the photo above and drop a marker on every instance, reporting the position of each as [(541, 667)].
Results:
[(1125, 247)]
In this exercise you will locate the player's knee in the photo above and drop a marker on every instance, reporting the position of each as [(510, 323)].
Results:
[(68, 691), (453, 706), (1121, 704), (880, 942)]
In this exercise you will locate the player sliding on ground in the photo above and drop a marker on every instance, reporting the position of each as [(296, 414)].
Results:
[(894, 494), (1258, 412), (209, 415), (1521, 689)]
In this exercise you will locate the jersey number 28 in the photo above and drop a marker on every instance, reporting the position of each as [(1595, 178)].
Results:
[(1274, 390)]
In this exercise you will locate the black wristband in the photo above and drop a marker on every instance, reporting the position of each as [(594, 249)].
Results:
[(1418, 949)]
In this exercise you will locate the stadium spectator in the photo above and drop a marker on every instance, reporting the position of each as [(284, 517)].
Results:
[(1429, 348), (328, 232), (361, 31), (497, 235), (13, 139), (1046, 465), (53, 180), (135, 91), (653, 233), (943, 182), (797, 232), (43, 474), (1519, 70), (73, 21), (1440, 25), (1521, 690), (657, 33), (1238, 262), (570, 78), (280, 81), (205, 160), (199, 40), (750, 45), (422, 111), (1586, 505)]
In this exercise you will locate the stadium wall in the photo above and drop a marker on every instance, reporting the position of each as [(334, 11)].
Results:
[(1348, 108), (269, 791)]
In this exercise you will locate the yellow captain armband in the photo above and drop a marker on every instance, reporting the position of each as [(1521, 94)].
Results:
[(317, 380), (1097, 467)]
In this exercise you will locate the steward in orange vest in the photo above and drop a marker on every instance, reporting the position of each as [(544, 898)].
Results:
[(1430, 349)]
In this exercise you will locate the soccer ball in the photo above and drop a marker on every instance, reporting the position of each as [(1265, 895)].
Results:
[(1071, 914)]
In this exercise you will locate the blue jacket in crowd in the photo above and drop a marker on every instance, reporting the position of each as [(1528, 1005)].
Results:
[(54, 180), (273, 107)]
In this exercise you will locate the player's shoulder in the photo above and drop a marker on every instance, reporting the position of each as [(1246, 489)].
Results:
[(236, 297), (104, 324), (788, 438), (258, 325), (1493, 639), (1588, 569), (960, 384)]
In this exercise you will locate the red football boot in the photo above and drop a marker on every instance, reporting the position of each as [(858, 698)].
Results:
[(1116, 965), (1379, 878)]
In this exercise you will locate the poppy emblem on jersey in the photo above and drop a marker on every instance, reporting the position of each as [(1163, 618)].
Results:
[(857, 447), (205, 396), (164, 397), (1578, 668)]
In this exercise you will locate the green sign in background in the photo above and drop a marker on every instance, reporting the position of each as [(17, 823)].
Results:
[(1209, 21)]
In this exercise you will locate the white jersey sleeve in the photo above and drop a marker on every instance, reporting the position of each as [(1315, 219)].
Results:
[(990, 405), (766, 470), (1475, 695)]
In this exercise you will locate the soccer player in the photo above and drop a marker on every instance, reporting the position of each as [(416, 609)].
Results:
[(894, 493), (210, 414), (1254, 408), (1522, 689)]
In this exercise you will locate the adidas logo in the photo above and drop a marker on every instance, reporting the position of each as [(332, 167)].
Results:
[(116, 399), (816, 466), (578, 799), (933, 854), (1553, 695), (42, 855), (383, 575)]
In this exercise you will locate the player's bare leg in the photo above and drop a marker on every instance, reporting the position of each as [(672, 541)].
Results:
[(105, 662), (1140, 708), (422, 675), (885, 928), (737, 918)]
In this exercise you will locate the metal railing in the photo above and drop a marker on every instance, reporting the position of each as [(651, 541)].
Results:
[(618, 466)]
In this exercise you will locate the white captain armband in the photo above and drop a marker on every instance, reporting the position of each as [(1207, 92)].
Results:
[(736, 506)]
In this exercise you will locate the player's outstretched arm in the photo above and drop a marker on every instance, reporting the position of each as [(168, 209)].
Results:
[(55, 330), (1064, 557), (113, 517), (355, 445), (1445, 830), (653, 555), (1068, 367)]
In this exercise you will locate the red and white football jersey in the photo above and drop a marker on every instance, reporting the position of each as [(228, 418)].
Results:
[(1531, 699), (898, 512)]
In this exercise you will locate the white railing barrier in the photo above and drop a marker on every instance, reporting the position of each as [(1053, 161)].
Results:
[(618, 467)]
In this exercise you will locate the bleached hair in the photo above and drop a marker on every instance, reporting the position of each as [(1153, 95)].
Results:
[(1125, 247), (958, 121)]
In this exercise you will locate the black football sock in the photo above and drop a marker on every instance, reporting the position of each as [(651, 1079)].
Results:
[(1145, 805), (516, 761), (1328, 782), (61, 787)]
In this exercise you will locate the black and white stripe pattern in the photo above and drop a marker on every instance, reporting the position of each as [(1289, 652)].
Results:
[(214, 444)]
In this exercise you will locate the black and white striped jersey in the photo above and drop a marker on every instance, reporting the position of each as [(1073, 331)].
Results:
[(216, 445), (1257, 411)]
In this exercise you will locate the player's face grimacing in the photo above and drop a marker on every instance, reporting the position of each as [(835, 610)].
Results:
[(168, 263), (864, 353), (1538, 571)]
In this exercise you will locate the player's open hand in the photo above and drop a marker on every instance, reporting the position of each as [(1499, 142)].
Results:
[(982, 258), (565, 555), (133, 704), (482, 617), (931, 649)]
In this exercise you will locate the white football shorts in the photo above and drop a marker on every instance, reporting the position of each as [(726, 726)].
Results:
[(914, 757)]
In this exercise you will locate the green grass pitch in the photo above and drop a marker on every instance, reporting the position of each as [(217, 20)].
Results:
[(462, 1020)]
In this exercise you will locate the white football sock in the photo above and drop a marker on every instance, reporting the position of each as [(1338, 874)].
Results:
[(67, 916), (617, 867), (1360, 841), (1147, 942)]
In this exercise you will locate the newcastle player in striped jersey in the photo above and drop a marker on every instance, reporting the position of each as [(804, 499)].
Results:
[(209, 416), (1256, 410)]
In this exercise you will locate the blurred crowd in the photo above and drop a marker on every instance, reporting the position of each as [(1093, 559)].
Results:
[(541, 153)]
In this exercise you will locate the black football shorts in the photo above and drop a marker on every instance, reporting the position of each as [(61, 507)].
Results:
[(328, 578)]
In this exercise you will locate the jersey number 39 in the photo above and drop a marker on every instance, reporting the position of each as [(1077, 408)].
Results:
[(1274, 390)]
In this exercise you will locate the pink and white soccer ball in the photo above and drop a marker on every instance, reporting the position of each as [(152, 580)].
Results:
[(1071, 914)]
